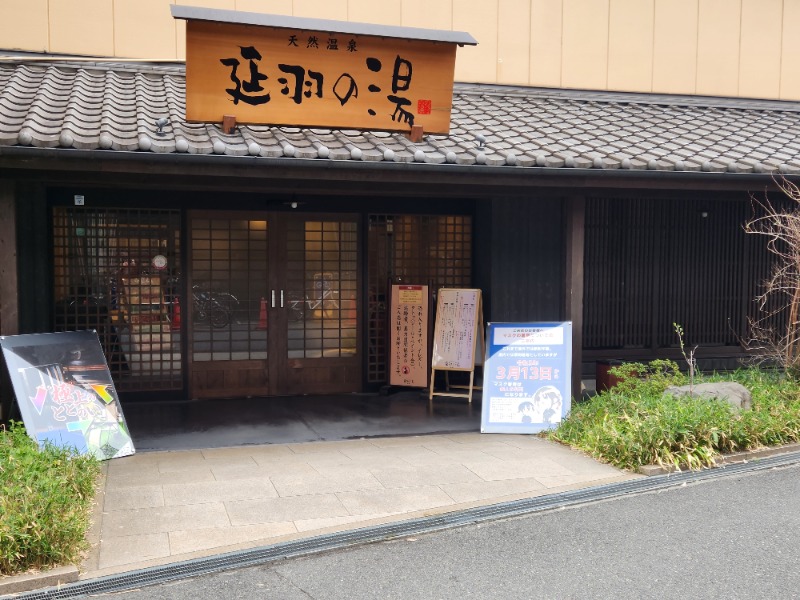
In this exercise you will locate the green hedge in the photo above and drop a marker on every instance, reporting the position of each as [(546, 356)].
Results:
[(45, 502), (633, 425)]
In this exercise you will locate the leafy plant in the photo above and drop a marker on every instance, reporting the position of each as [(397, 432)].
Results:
[(691, 361), (45, 500), (634, 424)]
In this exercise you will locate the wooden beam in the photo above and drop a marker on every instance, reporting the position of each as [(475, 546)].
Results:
[(9, 303), (416, 134), (575, 207)]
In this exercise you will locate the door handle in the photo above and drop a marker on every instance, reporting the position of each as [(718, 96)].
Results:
[(273, 298), (281, 298)]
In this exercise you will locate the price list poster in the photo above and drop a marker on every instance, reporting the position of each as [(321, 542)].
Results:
[(527, 377)]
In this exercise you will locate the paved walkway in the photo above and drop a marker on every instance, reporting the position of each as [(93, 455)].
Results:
[(162, 507)]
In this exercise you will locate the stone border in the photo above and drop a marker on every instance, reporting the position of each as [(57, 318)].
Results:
[(725, 459), (15, 584)]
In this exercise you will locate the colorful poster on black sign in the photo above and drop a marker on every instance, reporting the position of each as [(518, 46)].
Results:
[(65, 392), (527, 377)]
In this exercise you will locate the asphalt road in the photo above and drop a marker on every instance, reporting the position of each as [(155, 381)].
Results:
[(735, 537)]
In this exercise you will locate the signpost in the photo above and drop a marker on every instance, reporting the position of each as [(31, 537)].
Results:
[(409, 336), (457, 333), (65, 392), (527, 377)]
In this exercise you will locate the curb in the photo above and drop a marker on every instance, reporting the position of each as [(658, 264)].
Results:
[(26, 582), (724, 459)]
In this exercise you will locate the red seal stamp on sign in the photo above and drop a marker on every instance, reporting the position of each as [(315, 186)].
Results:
[(423, 107)]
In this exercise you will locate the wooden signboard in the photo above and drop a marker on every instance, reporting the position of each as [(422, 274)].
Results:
[(409, 336), (458, 333), (301, 77)]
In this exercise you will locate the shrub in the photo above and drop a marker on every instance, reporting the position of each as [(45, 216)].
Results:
[(45, 501), (633, 424)]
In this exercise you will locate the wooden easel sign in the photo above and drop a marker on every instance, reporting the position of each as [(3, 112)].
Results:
[(457, 333)]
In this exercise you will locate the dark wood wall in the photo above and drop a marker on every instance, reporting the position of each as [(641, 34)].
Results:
[(652, 262), (34, 259), (8, 286), (520, 258)]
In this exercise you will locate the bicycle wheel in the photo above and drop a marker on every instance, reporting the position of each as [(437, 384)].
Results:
[(219, 317), (199, 314), (228, 303)]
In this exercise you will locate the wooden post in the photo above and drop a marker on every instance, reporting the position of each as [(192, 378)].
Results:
[(416, 134), (576, 218), (9, 301), (228, 123)]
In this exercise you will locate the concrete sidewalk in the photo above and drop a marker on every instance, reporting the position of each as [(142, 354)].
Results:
[(162, 507)]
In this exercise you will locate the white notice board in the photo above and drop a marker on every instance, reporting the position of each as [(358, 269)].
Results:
[(458, 323), (457, 334)]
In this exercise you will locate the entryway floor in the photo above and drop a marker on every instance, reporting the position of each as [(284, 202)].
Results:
[(164, 507), (216, 476), (219, 423)]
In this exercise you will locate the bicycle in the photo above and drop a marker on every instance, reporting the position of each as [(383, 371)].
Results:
[(327, 303), (215, 308)]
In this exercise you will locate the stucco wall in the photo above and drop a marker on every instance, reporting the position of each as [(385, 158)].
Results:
[(746, 48)]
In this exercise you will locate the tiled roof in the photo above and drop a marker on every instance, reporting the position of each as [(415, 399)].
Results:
[(116, 107)]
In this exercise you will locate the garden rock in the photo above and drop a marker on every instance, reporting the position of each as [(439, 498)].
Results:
[(734, 394)]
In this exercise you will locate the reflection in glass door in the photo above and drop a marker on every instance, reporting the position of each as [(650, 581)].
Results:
[(227, 288), (274, 305), (320, 282), (113, 270), (321, 276)]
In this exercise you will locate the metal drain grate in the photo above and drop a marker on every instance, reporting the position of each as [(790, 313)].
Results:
[(265, 554)]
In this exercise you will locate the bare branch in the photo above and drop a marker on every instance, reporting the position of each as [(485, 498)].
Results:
[(775, 334)]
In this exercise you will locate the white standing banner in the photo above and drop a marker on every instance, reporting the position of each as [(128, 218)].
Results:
[(527, 377)]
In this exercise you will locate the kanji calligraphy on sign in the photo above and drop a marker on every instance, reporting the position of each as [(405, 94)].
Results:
[(409, 336), (291, 74)]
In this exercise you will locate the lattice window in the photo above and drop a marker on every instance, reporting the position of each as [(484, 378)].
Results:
[(432, 250), (321, 279), (114, 272), (229, 285), (651, 263)]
